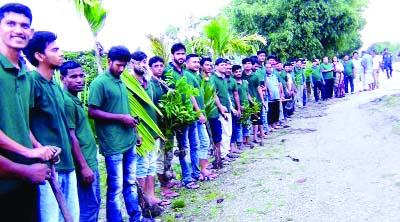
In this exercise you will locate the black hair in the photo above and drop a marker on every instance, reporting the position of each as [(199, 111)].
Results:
[(236, 67), (287, 64), (262, 52), (254, 60), (16, 8), (191, 56), (155, 59), (219, 61), (138, 56), (176, 47), (67, 66), (271, 57), (355, 52), (120, 53), (246, 60), (204, 60), (38, 43)]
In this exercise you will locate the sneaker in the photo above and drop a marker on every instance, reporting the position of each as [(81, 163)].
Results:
[(232, 155)]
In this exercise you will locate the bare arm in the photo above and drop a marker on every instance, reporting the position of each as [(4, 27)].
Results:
[(222, 109), (85, 172), (237, 101), (36, 173), (42, 152), (196, 107), (126, 119)]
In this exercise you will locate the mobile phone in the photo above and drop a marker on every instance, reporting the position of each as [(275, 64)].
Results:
[(262, 83)]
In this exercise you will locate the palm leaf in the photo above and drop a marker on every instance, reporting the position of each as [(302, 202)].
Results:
[(95, 15), (159, 47), (135, 89)]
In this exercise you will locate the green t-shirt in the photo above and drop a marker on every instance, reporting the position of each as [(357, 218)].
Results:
[(299, 77), (193, 81), (243, 89), (15, 100), (109, 94), (158, 90), (316, 73), (348, 68), (78, 120), (254, 83), (282, 76), (221, 87), (232, 87), (148, 87), (49, 121), (328, 66)]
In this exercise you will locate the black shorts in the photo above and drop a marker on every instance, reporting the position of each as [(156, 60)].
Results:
[(256, 119), (20, 204), (216, 129)]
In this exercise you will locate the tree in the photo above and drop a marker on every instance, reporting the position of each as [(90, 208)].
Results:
[(301, 28), (220, 40), (95, 15)]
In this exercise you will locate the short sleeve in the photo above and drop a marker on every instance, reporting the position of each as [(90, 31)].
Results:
[(96, 94), (70, 112)]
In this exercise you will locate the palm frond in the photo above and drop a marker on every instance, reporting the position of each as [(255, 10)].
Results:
[(95, 15), (136, 90), (159, 47)]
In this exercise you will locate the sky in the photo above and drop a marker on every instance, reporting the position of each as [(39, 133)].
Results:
[(128, 21)]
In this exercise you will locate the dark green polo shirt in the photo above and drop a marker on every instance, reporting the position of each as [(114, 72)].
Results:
[(243, 89), (327, 75), (158, 90), (254, 83), (221, 87), (193, 81), (48, 120), (348, 68), (16, 98), (232, 87), (109, 94), (78, 120)]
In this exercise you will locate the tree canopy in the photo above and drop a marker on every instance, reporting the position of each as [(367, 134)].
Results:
[(301, 28)]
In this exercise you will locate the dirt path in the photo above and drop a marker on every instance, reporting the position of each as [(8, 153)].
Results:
[(348, 168)]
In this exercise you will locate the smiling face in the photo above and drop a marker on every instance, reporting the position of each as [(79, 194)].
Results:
[(15, 31)]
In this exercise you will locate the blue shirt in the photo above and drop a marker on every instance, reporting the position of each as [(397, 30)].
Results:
[(273, 85)]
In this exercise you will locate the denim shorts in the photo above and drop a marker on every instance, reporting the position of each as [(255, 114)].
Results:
[(146, 165)]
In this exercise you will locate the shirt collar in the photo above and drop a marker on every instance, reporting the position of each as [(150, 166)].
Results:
[(7, 65), (76, 100)]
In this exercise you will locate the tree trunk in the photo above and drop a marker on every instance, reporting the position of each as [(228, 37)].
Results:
[(98, 59)]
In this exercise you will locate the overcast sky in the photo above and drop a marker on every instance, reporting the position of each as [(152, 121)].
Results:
[(129, 21)]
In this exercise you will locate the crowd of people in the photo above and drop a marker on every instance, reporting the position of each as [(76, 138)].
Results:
[(43, 124)]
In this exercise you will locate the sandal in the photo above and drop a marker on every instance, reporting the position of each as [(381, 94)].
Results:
[(191, 185), (163, 203), (169, 194)]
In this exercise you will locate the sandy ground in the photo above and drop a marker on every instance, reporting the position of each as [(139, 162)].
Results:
[(348, 168)]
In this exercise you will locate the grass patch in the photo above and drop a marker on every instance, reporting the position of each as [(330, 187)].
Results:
[(177, 204)]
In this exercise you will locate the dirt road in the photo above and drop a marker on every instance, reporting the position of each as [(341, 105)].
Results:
[(348, 167)]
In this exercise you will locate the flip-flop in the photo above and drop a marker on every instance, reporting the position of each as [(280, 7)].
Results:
[(169, 194), (163, 203), (191, 185)]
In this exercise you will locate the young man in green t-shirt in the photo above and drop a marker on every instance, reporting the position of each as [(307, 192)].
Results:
[(84, 146), (49, 122), (349, 71), (317, 81), (327, 73), (116, 132), (19, 173), (146, 165)]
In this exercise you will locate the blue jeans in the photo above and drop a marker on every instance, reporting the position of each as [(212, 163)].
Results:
[(204, 140), (264, 118), (190, 133), (146, 165), (348, 80), (121, 178), (49, 210), (235, 124), (89, 199)]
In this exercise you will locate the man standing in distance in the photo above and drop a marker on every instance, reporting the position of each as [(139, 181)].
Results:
[(83, 142), (19, 175), (115, 127)]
